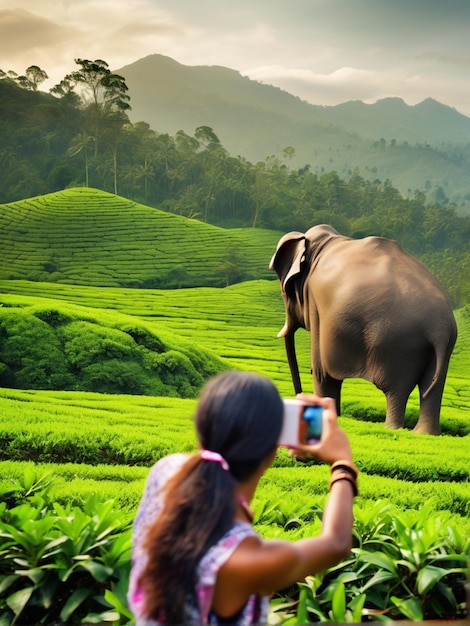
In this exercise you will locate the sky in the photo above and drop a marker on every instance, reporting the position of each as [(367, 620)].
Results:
[(324, 51)]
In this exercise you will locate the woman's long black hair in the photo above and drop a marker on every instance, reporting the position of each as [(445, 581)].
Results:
[(239, 415)]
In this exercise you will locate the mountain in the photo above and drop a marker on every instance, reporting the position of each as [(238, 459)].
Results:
[(391, 118), (166, 94), (416, 147)]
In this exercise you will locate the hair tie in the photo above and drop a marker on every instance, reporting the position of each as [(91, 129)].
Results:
[(208, 455)]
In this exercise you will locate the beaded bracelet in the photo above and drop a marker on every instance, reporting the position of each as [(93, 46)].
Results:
[(344, 476)]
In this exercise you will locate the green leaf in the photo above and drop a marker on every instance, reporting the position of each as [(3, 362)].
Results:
[(381, 560), (441, 599), (7, 582), (302, 613), (115, 602), (47, 591), (378, 578), (338, 603), (428, 577), (411, 608), (100, 618), (36, 574), (97, 570), (75, 600), (18, 600), (356, 605)]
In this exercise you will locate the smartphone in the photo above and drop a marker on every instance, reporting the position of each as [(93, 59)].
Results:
[(302, 423)]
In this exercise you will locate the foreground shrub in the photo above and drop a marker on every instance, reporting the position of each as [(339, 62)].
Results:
[(404, 565), (63, 564), (71, 564)]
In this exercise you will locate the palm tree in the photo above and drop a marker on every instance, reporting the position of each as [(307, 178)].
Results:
[(81, 143)]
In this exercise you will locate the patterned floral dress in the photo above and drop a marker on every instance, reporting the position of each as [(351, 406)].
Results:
[(199, 611)]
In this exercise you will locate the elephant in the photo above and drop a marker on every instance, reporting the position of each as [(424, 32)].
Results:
[(373, 312)]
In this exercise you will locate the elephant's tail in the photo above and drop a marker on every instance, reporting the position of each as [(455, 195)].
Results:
[(442, 352)]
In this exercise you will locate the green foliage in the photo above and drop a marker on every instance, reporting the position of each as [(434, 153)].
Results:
[(63, 563), (68, 563), (50, 348), (99, 446), (30, 353), (86, 236), (405, 565)]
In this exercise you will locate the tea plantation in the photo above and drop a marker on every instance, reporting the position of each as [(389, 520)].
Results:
[(90, 237), (127, 365)]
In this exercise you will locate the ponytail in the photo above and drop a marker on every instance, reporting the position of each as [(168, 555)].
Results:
[(199, 509)]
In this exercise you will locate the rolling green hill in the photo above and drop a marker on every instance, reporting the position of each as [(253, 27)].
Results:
[(90, 237)]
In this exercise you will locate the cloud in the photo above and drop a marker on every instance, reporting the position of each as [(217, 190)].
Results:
[(325, 51), (22, 31), (63, 31), (349, 83)]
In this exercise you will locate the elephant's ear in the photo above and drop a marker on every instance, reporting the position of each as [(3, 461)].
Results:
[(288, 257)]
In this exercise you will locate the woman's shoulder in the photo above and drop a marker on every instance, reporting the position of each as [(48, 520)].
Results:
[(221, 551), (168, 465), (163, 470), (158, 476)]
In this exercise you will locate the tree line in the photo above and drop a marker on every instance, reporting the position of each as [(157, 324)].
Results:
[(80, 135)]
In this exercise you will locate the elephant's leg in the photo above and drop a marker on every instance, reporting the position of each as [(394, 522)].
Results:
[(328, 387), (397, 379), (396, 406)]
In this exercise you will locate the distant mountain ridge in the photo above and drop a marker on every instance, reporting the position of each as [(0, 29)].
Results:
[(256, 120), (155, 81)]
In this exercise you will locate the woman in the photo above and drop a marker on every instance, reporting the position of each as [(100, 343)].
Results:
[(196, 558)]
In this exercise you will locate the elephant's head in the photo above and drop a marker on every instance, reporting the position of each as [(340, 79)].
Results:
[(287, 262), (292, 261), (294, 257)]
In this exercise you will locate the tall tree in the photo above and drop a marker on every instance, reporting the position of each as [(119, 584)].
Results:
[(33, 77), (65, 91), (102, 91), (81, 143)]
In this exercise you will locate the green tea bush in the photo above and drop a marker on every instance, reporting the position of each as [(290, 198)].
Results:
[(404, 565), (56, 348), (30, 353), (63, 563)]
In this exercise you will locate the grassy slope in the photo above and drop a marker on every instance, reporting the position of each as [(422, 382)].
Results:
[(90, 237), (83, 236), (239, 324)]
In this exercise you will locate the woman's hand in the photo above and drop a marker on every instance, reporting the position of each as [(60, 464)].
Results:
[(334, 444)]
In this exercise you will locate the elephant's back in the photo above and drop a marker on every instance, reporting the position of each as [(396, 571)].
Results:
[(375, 268)]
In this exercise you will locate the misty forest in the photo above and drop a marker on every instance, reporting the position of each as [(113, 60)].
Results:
[(80, 135), (134, 267)]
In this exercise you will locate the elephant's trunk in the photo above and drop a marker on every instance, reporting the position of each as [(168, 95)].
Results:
[(289, 339)]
